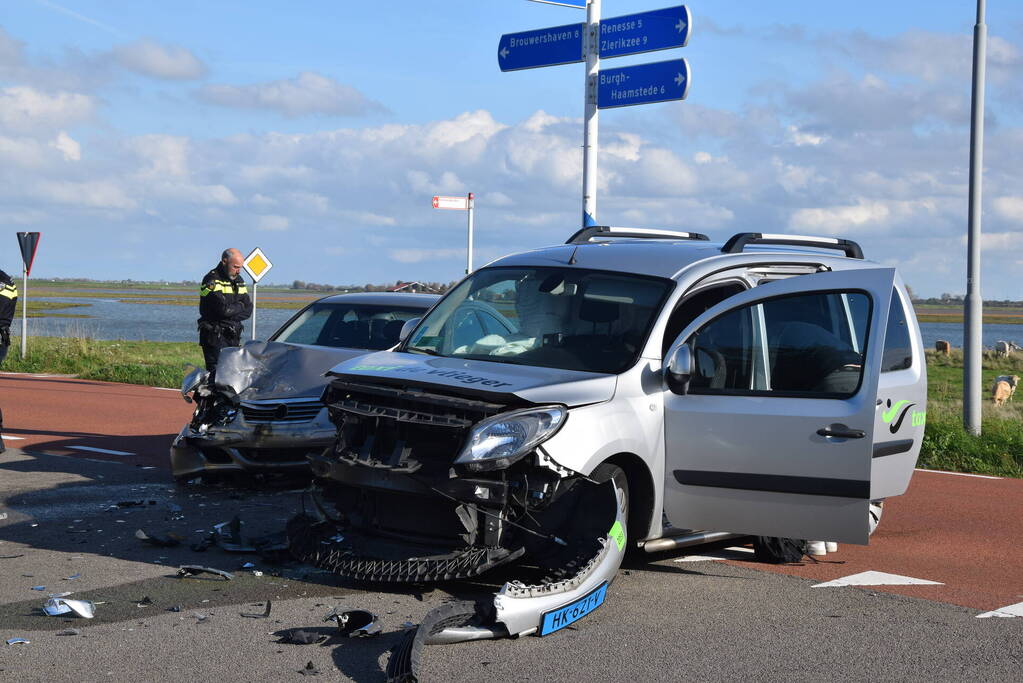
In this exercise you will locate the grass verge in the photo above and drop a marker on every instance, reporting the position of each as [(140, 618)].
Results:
[(947, 446), (155, 364)]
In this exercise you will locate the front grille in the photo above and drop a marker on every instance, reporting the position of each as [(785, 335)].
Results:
[(401, 428), (281, 411)]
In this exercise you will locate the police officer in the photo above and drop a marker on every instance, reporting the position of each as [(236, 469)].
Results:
[(224, 302), (8, 300)]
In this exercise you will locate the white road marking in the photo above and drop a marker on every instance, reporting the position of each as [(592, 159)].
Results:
[(1007, 611), (99, 450), (872, 578), (8, 437), (734, 553), (167, 389), (959, 474)]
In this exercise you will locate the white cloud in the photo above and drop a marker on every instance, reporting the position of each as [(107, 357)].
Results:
[(272, 222), (802, 139), (67, 146), (309, 93), (168, 62), (93, 194), (23, 108), (420, 255), (1010, 208)]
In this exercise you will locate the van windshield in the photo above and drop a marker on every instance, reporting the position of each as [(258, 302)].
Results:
[(565, 318)]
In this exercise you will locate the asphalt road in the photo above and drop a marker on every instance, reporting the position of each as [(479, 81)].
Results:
[(663, 619)]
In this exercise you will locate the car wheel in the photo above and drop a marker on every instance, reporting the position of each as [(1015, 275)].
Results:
[(610, 472), (874, 515)]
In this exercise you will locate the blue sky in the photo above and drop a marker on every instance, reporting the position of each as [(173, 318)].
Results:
[(143, 137)]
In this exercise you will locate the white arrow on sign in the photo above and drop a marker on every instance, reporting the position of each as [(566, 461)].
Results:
[(680, 26), (678, 79), (504, 53)]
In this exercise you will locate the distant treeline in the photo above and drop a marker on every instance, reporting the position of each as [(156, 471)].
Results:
[(301, 285)]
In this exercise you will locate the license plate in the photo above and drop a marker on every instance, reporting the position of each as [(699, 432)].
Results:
[(572, 612)]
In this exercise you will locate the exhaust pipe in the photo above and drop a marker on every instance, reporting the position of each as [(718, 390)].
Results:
[(698, 538)]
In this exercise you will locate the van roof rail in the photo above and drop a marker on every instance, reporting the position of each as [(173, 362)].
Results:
[(586, 234), (737, 242)]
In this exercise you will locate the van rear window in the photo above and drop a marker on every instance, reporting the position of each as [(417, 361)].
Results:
[(898, 351)]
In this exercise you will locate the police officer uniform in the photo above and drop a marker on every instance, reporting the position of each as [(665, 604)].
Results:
[(8, 300), (224, 302)]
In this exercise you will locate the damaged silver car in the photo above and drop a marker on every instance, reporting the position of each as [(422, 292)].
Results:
[(637, 388), (262, 413)]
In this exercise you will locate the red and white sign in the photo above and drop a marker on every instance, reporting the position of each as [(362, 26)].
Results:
[(457, 203)]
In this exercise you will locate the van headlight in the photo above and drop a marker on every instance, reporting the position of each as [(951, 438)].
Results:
[(499, 441)]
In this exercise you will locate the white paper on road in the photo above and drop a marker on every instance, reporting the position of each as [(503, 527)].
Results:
[(872, 578), (734, 553), (1007, 611)]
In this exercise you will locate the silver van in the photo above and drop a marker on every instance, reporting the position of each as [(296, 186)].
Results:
[(631, 388)]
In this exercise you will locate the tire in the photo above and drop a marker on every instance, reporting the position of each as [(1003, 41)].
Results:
[(874, 515), (607, 471)]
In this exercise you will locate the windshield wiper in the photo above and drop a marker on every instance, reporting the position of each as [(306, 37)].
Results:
[(428, 352)]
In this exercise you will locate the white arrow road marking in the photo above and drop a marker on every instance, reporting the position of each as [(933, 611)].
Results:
[(734, 553), (99, 450), (872, 578), (504, 53), (678, 79), (680, 26), (1008, 611)]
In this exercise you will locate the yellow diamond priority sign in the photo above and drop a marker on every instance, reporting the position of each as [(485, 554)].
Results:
[(257, 264)]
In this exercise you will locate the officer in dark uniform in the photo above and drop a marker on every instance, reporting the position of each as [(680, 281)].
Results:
[(8, 300), (224, 302)]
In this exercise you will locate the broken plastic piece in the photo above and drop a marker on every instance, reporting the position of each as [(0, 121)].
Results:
[(144, 602), (57, 606), (38, 588), (69, 632), (18, 641), (189, 570), (355, 623), (262, 615), (168, 541), (175, 608), (309, 670), (297, 636), (72, 577)]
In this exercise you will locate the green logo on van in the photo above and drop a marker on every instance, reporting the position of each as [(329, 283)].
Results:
[(899, 408)]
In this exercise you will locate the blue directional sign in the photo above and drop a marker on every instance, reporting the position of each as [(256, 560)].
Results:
[(660, 29), (541, 47), (581, 4), (643, 84)]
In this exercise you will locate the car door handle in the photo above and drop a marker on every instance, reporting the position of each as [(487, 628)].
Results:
[(841, 431)]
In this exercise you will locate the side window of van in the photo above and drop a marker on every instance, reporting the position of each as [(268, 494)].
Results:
[(802, 345), (898, 352)]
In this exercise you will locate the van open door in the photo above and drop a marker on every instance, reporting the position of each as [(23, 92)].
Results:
[(771, 412)]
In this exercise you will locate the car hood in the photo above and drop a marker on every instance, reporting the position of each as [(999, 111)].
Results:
[(476, 377), (265, 370)]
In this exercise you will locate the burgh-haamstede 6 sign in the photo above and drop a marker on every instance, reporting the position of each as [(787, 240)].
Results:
[(643, 84), (541, 47)]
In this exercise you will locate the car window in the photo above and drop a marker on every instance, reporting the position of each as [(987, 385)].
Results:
[(567, 318), (690, 308), (898, 354), (356, 326), (807, 344)]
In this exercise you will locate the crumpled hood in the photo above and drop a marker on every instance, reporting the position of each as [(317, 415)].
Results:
[(533, 384), (262, 370)]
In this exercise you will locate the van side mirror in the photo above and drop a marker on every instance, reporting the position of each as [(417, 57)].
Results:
[(407, 328), (679, 369)]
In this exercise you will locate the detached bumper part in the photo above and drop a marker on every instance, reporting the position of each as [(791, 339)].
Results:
[(519, 609)]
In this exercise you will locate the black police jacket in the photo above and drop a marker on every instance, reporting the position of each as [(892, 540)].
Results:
[(223, 299), (8, 299)]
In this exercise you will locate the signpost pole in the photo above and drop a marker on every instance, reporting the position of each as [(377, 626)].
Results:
[(974, 302), (468, 253), (24, 312), (254, 285), (591, 48)]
